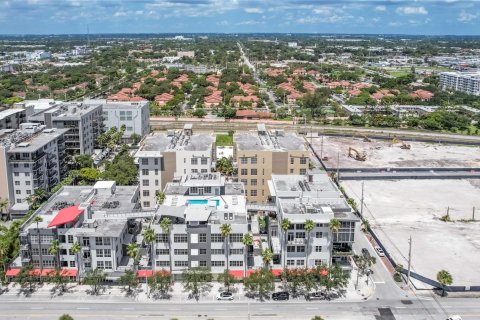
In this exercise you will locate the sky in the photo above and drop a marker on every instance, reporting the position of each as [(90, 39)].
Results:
[(429, 17)]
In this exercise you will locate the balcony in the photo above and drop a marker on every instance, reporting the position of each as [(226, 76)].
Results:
[(336, 253), (51, 173), (297, 241), (37, 165), (52, 181)]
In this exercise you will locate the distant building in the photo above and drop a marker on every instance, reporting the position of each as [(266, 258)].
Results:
[(292, 44), (7, 68), (12, 118), (187, 54), (468, 82)]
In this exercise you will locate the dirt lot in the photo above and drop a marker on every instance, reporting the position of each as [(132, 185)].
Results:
[(379, 153), (398, 209)]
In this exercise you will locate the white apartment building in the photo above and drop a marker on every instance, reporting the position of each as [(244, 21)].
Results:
[(85, 122), (31, 158), (80, 214), (163, 156), (12, 118), (134, 115), (468, 82), (198, 204)]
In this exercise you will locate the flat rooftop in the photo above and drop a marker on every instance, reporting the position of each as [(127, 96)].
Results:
[(9, 112), (176, 141), (380, 154), (397, 209), (268, 141), (99, 227), (37, 140), (107, 105)]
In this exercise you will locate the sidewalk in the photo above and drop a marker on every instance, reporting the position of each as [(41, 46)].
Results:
[(116, 293)]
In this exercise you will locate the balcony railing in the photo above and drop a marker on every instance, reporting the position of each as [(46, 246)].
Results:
[(297, 241)]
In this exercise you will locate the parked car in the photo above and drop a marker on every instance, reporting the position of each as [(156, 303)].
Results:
[(225, 296), (380, 252), (365, 252), (315, 296), (281, 295), (454, 318)]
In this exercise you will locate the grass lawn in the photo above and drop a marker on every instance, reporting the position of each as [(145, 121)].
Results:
[(224, 140)]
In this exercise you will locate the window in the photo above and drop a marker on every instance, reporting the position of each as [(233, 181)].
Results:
[(300, 262), (26, 165), (100, 265), (145, 172), (194, 161), (146, 203), (244, 181), (17, 183), (156, 182), (99, 253), (146, 193), (204, 171), (162, 238), (253, 172), (107, 253), (290, 248), (145, 182), (318, 248), (236, 237), (253, 193), (16, 174), (70, 239), (18, 191), (203, 251), (318, 234), (72, 264), (145, 162), (88, 264), (181, 252), (243, 160), (244, 172), (218, 251), (156, 172), (27, 183), (86, 241), (202, 238), (203, 263), (204, 161), (163, 263), (300, 248), (162, 252), (300, 235), (218, 263), (155, 161), (193, 190), (253, 160), (236, 263), (290, 262), (236, 251), (291, 170), (108, 264), (303, 160), (27, 174), (217, 237), (98, 241), (181, 263), (318, 262), (253, 182), (194, 170), (303, 171), (292, 160), (180, 238)]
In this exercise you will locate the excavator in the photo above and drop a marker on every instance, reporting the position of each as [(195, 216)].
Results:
[(353, 153), (364, 136), (405, 146)]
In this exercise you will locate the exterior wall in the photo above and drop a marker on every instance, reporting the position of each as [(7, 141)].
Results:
[(136, 119), (193, 162), (461, 82), (13, 121), (5, 176), (150, 179)]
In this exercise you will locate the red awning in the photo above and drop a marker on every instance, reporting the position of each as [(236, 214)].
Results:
[(12, 272), (45, 272), (144, 273), (237, 273), (66, 215), (277, 272)]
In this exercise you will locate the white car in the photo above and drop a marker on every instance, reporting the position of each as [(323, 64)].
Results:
[(454, 318), (380, 252), (225, 296)]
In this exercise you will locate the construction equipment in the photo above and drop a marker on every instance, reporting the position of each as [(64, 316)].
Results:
[(353, 153), (404, 145), (364, 136)]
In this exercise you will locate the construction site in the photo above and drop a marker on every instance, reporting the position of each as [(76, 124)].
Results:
[(437, 214), (364, 152)]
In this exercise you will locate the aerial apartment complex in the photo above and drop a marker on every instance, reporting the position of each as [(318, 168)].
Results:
[(261, 153), (163, 156), (468, 82)]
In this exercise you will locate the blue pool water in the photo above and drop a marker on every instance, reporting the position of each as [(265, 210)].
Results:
[(203, 201)]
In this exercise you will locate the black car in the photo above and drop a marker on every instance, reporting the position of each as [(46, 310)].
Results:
[(365, 252), (281, 295), (315, 296)]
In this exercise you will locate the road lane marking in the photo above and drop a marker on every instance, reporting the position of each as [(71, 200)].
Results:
[(311, 308), (37, 308), (378, 282), (221, 309), (128, 308), (83, 308)]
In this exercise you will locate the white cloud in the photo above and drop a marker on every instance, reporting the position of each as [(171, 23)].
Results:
[(250, 22), (139, 12), (381, 8), (120, 14), (412, 10), (335, 18), (253, 10), (323, 10), (466, 17)]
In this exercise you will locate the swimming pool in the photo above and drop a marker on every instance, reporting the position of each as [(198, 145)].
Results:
[(204, 201)]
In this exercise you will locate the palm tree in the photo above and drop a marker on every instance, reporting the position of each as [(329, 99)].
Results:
[(225, 230), (285, 225), (334, 226), (4, 249), (149, 236), (4, 205), (247, 241), (132, 252), (36, 198), (309, 226), (267, 256), (37, 220), (445, 279), (166, 225), (54, 250), (160, 197), (75, 249)]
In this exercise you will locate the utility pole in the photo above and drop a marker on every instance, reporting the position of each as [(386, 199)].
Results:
[(473, 214), (338, 167), (361, 203), (409, 259), (311, 135), (321, 150)]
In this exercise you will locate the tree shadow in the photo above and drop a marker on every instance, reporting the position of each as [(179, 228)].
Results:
[(99, 291)]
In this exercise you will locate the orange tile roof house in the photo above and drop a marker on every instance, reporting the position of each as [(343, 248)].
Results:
[(163, 98), (239, 99), (213, 100), (252, 114), (381, 93), (421, 94)]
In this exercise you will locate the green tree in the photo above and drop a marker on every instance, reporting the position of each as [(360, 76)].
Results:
[(54, 250), (199, 113), (135, 138), (247, 242), (445, 279), (160, 282), (364, 263), (95, 278), (149, 237), (260, 281), (36, 199), (122, 169), (58, 277), (160, 197), (227, 279), (83, 161), (225, 166), (88, 176), (132, 252), (166, 226), (226, 230), (65, 317), (4, 204), (334, 226), (309, 226), (295, 278), (285, 225), (75, 249), (267, 256), (336, 278), (26, 276), (194, 280), (129, 280)]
